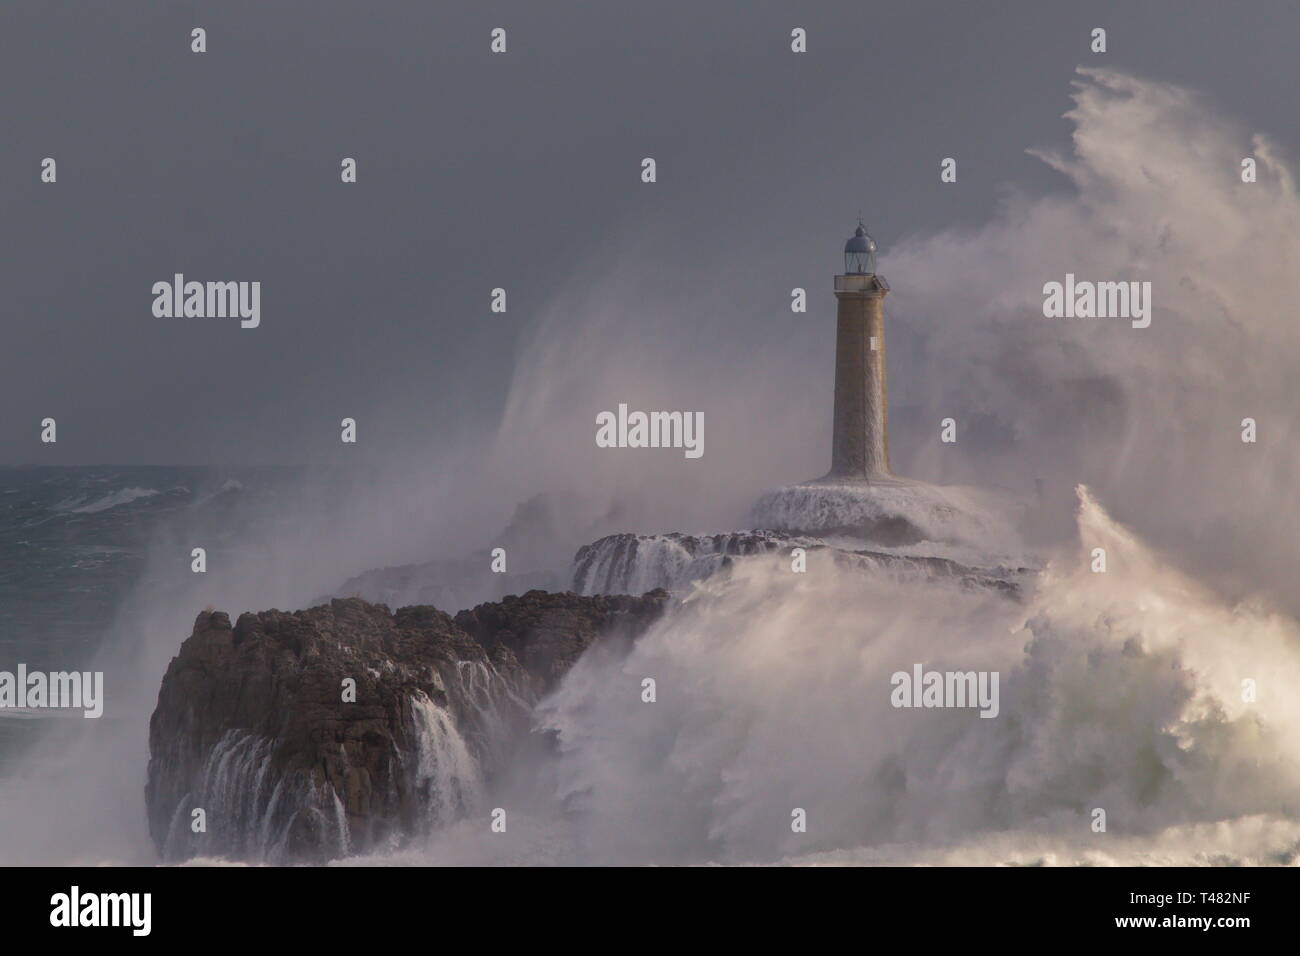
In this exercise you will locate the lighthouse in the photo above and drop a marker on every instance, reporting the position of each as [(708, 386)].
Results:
[(861, 497), (860, 447)]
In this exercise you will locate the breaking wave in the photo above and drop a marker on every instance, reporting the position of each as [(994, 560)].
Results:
[(123, 497), (1121, 691)]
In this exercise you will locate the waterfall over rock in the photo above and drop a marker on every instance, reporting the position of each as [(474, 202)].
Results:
[(633, 563), (448, 778)]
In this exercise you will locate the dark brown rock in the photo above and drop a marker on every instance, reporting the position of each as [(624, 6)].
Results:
[(548, 632)]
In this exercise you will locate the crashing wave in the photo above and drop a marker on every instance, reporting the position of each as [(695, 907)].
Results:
[(1120, 691)]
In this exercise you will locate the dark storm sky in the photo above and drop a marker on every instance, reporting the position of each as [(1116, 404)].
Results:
[(478, 170)]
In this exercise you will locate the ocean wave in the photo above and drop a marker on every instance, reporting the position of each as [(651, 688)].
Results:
[(229, 486), (123, 497), (1121, 692)]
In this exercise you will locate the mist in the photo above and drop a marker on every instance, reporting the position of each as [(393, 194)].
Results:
[(771, 683)]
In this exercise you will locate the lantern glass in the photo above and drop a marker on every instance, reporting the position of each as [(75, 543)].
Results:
[(860, 263)]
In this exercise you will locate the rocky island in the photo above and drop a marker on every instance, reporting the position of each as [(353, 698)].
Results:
[(299, 737)]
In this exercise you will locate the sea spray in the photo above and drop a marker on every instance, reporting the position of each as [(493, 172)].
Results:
[(1120, 690)]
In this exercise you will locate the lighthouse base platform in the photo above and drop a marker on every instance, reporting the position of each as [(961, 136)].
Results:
[(890, 511)]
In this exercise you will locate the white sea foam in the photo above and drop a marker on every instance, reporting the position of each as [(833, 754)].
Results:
[(1120, 690), (911, 511)]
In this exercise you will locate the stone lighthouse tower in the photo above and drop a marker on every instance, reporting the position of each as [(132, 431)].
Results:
[(861, 497), (860, 449)]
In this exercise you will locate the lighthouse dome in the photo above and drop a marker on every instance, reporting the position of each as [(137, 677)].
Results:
[(860, 253), (860, 242)]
